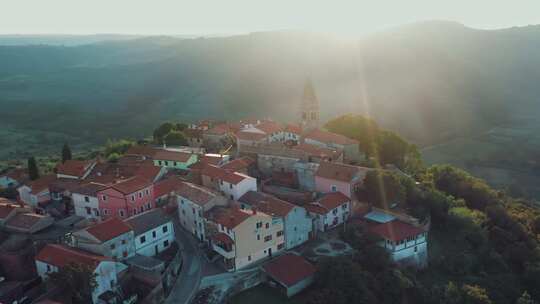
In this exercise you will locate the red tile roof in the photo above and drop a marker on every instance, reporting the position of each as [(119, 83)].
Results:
[(212, 159), (148, 171), (177, 156), (25, 220), (60, 256), (295, 129), (316, 151), (332, 200), (6, 208), (269, 127), (141, 150), (195, 193), (108, 229), (220, 129), (18, 174), (90, 189), (167, 186), (228, 217), (395, 230), (252, 136), (223, 238), (132, 185), (74, 167), (266, 203), (238, 164), (41, 183), (222, 174), (289, 269), (341, 172), (328, 137)]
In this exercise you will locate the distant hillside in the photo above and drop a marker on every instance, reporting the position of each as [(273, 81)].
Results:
[(432, 81)]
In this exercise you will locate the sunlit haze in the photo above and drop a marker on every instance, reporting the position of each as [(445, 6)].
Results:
[(239, 16)]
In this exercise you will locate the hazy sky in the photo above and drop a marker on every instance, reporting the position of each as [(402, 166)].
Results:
[(238, 16)]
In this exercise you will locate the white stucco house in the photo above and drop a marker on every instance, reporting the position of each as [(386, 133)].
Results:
[(86, 202), (154, 232), (232, 184), (330, 210), (53, 257)]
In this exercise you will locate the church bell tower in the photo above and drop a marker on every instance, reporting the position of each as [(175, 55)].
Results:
[(309, 109)]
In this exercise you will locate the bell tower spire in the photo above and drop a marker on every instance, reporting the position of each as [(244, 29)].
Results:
[(309, 110)]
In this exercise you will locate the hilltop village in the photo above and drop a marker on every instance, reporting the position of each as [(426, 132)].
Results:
[(245, 203)]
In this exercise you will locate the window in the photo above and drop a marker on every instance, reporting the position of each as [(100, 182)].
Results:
[(124, 254), (232, 197), (86, 199), (133, 198), (121, 213), (104, 197), (230, 186), (267, 225), (415, 248), (142, 209), (154, 234), (334, 188), (142, 239), (88, 211), (258, 225), (48, 268), (183, 212), (106, 211), (96, 212), (268, 238), (166, 243), (280, 246), (165, 229), (148, 206), (146, 192), (123, 242), (344, 207), (193, 210), (249, 258), (280, 233), (113, 246), (159, 162), (258, 237), (182, 201)]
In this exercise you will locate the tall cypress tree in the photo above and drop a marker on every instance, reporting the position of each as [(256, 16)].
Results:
[(66, 153), (33, 171)]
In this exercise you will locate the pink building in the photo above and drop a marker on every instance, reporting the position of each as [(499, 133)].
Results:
[(126, 198), (334, 177)]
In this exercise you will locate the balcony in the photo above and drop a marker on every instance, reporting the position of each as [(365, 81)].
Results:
[(223, 245), (224, 252)]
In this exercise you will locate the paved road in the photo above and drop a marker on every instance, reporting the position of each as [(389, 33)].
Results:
[(189, 278)]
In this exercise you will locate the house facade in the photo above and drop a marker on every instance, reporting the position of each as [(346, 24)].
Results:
[(36, 192), (296, 221), (232, 184), (325, 139), (244, 237), (75, 169), (86, 202), (174, 159), (335, 177), (53, 257), (111, 238), (329, 211), (154, 232), (126, 198), (193, 202), (406, 243)]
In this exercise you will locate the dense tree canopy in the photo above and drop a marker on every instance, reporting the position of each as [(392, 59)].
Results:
[(33, 170), (66, 153)]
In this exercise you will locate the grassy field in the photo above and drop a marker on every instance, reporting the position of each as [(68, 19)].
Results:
[(263, 294)]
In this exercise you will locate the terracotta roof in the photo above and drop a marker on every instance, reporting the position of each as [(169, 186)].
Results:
[(195, 193), (132, 185), (269, 127), (6, 208), (212, 159), (18, 174), (316, 151), (332, 200), (341, 172), (167, 186), (266, 203), (289, 269), (60, 256), (147, 221), (238, 164), (220, 129), (296, 129), (228, 217), (328, 137), (243, 135), (316, 208), (395, 230), (148, 171), (64, 184), (41, 183), (147, 151), (222, 174), (108, 229), (25, 220), (74, 167), (90, 189), (223, 238), (172, 156)]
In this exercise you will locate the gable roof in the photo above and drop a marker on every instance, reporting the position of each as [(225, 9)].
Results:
[(146, 221), (6, 207), (222, 174), (195, 193), (238, 164), (269, 127), (108, 229), (219, 129), (229, 217), (289, 269), (178, 156), (329, 137), (60, 256), (142, 150), (167, 186), (332, 200), (25, 221), (341, 172), (295, 129), (41, 183), (320, 152), (132, 185), (252, 136), (266, 203), (18, 174), (395, 230), (74, 167)]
